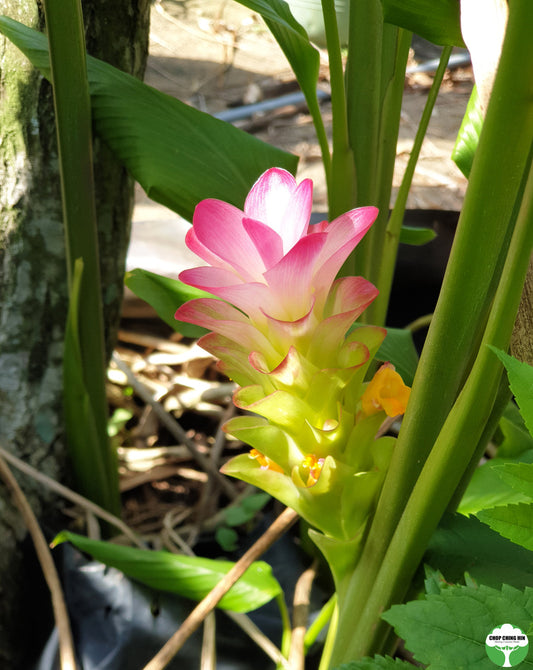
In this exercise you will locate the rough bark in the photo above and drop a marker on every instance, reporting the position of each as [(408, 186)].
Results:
[(33, 273), (522, 340)]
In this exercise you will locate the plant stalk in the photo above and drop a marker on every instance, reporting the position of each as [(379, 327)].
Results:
[(64, 25)]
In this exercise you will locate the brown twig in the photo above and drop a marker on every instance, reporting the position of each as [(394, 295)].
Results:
[(300, 617), (174, 428), (76, 498), (66, 645), (195, 618)]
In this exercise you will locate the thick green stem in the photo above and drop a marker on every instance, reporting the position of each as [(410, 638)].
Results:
[(450, 457), (471, 277), (363, 95), (73, 120), (342, 186), (394, 54), (501, 160), (384, 256)]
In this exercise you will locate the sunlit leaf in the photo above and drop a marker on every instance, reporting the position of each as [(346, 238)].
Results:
[(521, 382), (487, 488), (293, 40), (178, 154), (165, 295), (448, 631), (189, 576), (515, 522), (518, 475), (468, 135), (436, 20)]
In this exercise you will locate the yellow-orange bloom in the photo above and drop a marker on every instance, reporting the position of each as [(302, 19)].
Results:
[(265, 462), (385, 392), (310, 469)]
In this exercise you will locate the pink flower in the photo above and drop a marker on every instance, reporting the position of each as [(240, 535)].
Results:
[(267, 260)]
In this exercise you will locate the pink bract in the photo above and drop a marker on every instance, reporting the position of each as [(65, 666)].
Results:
[(267, 260)]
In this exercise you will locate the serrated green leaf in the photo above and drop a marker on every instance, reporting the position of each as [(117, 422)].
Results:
[(448, 631), (435, 20), (515, 522), (376, 663), (165, 295), (468, 135), (416, 236), (516, 438), (488, 489), (521, 382), (519, 476), (398, 348), (463, 544), (189, 576), (178, 154)]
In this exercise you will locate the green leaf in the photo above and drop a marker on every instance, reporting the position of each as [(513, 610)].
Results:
[(465, 544), (88, 455), (415, 236), (521, 382), (436, 20), (293, 40), (226, 538), (239, 514), (515, 522), (376, 663), (516, 438), (189, 576), (518, 476), (448, 631), (165, 295), (468, 135), (178, 154), (398, 348), (487, 488)]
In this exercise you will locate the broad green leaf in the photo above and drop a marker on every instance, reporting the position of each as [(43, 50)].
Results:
[(448, 631), (436, 20), (465, 544), (518, 476), (165, 295), (189, 576), (415, 236), (294, 42), (487, 487), (515, 522), (376, 663), (468, 135), (178, 154), (398, 348), (521, 382)]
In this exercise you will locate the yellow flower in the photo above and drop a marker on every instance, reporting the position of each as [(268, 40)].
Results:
[(385, 392), (310, 469), (265, 462)]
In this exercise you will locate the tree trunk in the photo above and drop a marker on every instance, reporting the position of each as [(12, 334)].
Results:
[(33, 295)]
